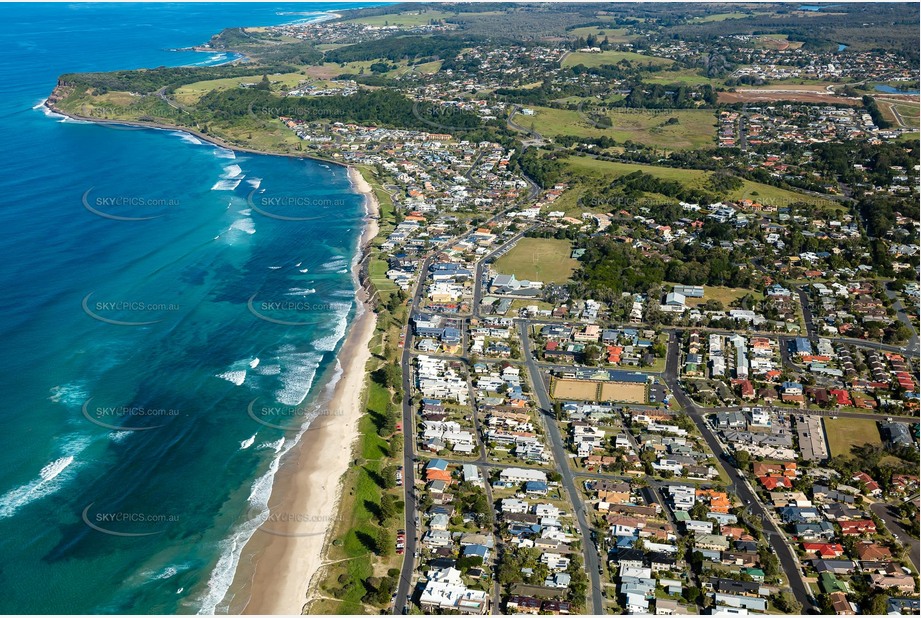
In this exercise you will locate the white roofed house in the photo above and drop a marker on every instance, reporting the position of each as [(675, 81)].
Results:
[(522, 475), (445, 590)]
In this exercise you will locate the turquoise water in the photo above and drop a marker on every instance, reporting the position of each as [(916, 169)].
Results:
[(135, 264)]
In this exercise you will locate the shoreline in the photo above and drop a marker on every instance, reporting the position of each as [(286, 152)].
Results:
[(285, 559), (280, 561)]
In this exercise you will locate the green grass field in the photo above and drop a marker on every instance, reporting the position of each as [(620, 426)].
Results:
[(612, 57), (766, 194), (695, 128), (539, 259), (723, 294), (843, 433), (191, 93)]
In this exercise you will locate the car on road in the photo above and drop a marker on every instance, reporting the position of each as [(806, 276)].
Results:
[(399, 476)]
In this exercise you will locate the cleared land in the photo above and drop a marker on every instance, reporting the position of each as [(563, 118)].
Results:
[(627, 392), (766, 194), (778, 41), (907, 111), (843, 433), (582, 390), (694, 129), (681, 76), (725, 295), (539, 259), (611, 57), (591, 390)]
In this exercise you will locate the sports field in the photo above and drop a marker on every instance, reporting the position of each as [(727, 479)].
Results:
[(626, 392), (590, 390), (583, 390), (539, 259)]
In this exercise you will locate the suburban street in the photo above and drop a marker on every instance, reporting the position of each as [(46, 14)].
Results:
[(562, 464), (881, 510), (741, 488)]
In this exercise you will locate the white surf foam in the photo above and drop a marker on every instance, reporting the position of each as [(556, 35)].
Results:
[(254, 182), (269, 370), (72, 394), (225, 185), (223, 573), (232, 171), (119, 436), (302, 270), (51, 478), (245, 212), (246, 225), (329, 342), (245, 444), (300, 292), (296, 376), (236, 377), (334, 264), (254, 363), (275, 445), (224, 153), (187, 138)]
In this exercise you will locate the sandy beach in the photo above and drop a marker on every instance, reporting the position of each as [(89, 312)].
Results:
[(285, 554)]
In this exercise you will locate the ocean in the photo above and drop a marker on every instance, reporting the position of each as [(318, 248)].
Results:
[(171, 315)]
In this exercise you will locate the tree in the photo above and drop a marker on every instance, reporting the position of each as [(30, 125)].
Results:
[(699, 511), (388, 508), (877, 604), (787, 603), (384, 542), (743, 459), (389, 477)]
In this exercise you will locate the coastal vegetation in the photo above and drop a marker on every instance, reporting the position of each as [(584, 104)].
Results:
[(371, 508)]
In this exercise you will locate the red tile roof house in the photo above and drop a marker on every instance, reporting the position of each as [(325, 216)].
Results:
[(826, 551), (842, 397), (870, 551), (858, 526), (786, 468), (871, 486), (773, 482), (903, 482)]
